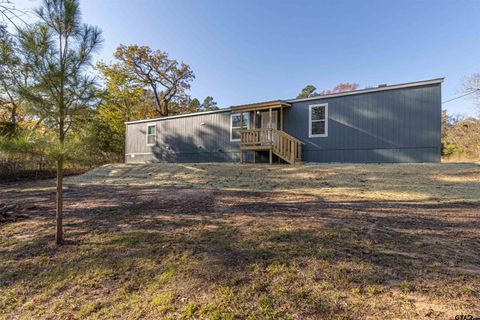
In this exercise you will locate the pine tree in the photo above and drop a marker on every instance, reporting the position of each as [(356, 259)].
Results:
[(57, 50)]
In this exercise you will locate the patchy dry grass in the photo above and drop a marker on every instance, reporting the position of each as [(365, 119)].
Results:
[(356, 247), (417, 182)]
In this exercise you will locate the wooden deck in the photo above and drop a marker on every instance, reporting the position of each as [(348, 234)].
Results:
[(276, 142)]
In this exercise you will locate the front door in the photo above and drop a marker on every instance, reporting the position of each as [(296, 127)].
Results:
[(268, 137), (265, 120)]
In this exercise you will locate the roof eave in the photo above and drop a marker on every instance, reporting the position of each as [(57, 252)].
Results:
[(260, 106), (179, 116), (362, 91)]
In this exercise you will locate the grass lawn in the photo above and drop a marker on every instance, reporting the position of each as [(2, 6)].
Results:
[(229, 241)]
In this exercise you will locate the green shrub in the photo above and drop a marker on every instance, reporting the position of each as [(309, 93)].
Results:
[(448, 149)]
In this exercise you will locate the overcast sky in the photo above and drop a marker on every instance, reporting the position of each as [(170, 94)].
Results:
[(250, 51)]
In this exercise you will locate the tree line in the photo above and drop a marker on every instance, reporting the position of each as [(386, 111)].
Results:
[(461, 134), (460, 137), (52, 96), (60, 111)]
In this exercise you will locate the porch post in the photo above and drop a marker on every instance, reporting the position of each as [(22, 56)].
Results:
[(270, 120), (271, 134), (254, 132), (281, 118), (270, 126), (241, 128)]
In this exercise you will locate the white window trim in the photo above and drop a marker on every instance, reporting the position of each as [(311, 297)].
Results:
[(310, 135), (231, 124), (146, 136)]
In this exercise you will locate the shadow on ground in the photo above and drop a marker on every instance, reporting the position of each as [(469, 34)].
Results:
[(154, 252)]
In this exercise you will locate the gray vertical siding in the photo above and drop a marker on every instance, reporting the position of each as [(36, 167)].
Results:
[(200, 138), (400, 125)]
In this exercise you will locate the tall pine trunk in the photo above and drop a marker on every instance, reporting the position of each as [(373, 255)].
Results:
[(60, 160), (61, 138), (59, 217)]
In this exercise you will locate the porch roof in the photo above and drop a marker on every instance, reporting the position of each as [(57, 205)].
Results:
[(260, 106)]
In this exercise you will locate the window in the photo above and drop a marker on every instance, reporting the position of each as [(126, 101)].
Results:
[(235, 125), (151, 134), (318, 120)]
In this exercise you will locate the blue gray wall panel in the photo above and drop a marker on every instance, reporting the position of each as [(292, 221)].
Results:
[(201, 138), (400, 125)]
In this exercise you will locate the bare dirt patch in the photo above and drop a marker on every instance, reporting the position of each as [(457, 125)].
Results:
[(429, 182), (153, 251)]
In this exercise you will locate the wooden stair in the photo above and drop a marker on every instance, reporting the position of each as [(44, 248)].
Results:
[(278, 142)]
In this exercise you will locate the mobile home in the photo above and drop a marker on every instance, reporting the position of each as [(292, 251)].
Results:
[(396, 123)]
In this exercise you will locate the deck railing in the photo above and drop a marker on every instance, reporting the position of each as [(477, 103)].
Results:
[(282, 144)]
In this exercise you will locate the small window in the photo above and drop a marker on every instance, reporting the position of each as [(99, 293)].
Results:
[(318, 117), (151, 134), (235, 125)]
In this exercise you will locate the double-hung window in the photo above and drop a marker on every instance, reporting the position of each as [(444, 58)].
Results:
[(236, 125), (318, 120), (151, 134)]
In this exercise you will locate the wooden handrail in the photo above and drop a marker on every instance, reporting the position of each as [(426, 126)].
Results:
[(291, 137), (247, 131), (281, 143)]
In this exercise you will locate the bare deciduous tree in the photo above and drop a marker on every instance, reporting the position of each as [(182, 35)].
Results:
[(473, 86), (154, 69)]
